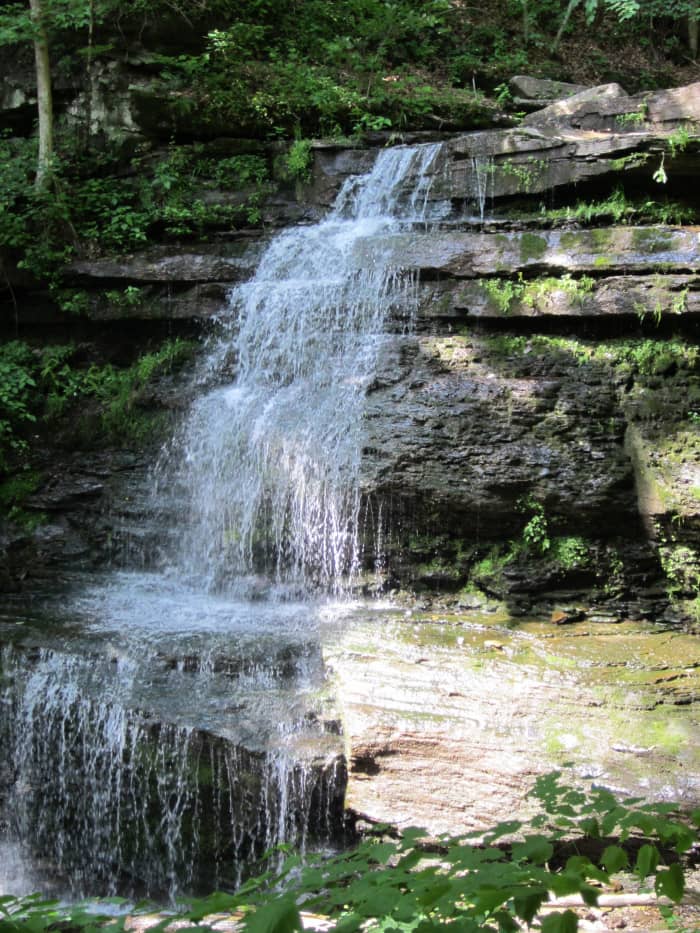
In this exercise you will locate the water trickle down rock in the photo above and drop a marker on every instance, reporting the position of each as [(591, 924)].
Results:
[(269, 463), (108, 798)]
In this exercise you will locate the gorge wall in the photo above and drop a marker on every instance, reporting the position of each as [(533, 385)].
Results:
[(530, 448), (534, 435)]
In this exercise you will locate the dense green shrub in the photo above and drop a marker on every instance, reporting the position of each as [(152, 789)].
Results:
[(38, 386)]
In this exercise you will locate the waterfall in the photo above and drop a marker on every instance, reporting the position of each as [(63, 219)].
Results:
[(172, 730), (481, 178), (270, 463), (112, 800)]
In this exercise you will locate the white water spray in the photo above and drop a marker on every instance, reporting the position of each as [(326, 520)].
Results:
[(117, 777), (270, 464)]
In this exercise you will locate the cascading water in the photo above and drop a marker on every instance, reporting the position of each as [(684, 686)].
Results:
[(270, 463), (172, 730), (152, 763), (482, 169)]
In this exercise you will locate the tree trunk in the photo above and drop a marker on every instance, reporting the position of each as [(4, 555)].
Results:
[(571, 6), (693, 35), (43, 94)]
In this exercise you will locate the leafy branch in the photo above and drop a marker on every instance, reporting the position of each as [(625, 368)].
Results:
[(497, 880)]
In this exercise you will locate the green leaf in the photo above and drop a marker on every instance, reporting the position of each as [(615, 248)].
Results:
[(432, 894), (349, 923), (488, 899), (647, 860), (537, 849), (670, 882), (560, 923), (280, 916), (506, 923), (584, 868), (590, 827), (215, 903), (590, 895), (613, 858), (527, 905), (611, 819)]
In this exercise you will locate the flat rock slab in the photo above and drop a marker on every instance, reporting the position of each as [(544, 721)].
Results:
[(646, 297), (207, 263), (601, 251), (449, 720)]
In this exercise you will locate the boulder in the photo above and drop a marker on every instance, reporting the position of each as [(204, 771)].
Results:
[(609, 108), (569, 110), (531, 88)]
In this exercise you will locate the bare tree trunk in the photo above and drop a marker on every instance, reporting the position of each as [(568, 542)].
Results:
[(693, 35), (526, 22), (564, 23), (88, 71), (43, 94)]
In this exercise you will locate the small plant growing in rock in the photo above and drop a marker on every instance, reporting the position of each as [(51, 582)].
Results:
[(678, 140), (535, 534), (503, 292), (299, 161)]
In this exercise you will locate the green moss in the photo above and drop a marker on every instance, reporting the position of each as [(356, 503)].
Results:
[(601, 239), (632, 161), (570, 241), (652, 240), (532, 246)]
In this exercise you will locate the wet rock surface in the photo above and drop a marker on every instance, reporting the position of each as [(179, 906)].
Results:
[(202, 733), (450, 717)]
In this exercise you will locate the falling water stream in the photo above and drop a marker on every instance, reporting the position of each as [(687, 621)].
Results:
[(270, 463), (169, 728)]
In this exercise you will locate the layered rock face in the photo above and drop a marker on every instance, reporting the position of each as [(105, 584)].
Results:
[(550, 374), (532, 436)]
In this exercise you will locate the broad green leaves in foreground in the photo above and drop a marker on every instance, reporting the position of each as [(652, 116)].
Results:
[(469, 884)]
